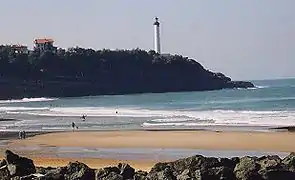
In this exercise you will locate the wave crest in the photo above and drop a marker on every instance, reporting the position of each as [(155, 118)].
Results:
[(27, 100)]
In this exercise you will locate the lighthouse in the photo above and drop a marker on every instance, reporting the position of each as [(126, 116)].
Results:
[(157, 36)]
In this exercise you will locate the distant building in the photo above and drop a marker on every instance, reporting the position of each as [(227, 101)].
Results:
[(44, 45), (157, 43), (20, 49)]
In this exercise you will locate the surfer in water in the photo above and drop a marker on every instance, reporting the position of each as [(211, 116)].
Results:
[(83, 117)]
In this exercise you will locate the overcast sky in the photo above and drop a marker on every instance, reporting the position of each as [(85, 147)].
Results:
[(246, 40)]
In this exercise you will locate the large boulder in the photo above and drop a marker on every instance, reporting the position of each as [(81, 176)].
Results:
[(165, 174), (55, 174), (289, 161), (126, 170), (19, 166), (247, 169), (195, 167), (78, 171), (193, 163), (108, 173)]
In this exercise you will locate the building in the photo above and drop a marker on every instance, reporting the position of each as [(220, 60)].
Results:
[(157, 44), (44, 45), (20, 49)]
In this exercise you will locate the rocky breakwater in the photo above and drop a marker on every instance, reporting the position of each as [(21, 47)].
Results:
[(196, 167)]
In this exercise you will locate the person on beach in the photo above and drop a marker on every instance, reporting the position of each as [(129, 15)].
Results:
[(20, 134), (73, 126), (24, 134)]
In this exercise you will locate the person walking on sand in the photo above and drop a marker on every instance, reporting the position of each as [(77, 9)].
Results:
[(20, 134), (73, 126), (24, 134)]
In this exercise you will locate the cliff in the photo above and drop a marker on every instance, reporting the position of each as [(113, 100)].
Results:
[(82, 72)]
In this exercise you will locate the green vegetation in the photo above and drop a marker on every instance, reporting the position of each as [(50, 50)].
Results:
[(90, 72)]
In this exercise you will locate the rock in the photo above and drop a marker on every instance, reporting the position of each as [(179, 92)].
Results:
[(43, 170), (112, 176), (140, 175), (107, 172), (290, 161), (193, 163), (4, 173), (217, 173), (15, 178), (271, 163), (195, 167), (19, 166), (247, 169), (165, 174), (239, 84), (55, 174), (185, 175), (29, 177), (235, 160), (272, 168), (78, 171), (2, 163), (160, 166), (126, 170), (230, 163)]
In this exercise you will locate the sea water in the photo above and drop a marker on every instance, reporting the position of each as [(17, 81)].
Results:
[(270, 104)]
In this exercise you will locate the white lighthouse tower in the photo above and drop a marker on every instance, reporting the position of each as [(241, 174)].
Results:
[(157, 36)]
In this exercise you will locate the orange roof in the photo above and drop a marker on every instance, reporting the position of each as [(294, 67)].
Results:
[(42, 41)]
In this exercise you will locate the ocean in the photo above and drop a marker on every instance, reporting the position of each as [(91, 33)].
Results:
[(270, 104)]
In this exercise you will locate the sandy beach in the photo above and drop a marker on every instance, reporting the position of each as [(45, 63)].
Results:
[(205, 140), (95, 163), (260, 141)]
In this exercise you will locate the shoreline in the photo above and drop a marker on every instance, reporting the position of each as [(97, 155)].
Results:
[(210, 140), (142, 149)]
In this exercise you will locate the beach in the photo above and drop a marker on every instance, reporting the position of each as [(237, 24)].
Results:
[(210, 140), (136, 147)]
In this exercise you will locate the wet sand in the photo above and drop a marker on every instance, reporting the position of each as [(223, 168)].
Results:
[(91, 162), (11, 135), (117, 140), (208, 140)]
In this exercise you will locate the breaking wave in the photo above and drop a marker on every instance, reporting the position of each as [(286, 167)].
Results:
[(27, 100)]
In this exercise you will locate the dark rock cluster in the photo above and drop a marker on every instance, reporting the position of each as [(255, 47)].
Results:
[(196, 167)]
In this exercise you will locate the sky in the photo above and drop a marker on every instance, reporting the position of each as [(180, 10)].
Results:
[(246, 40)]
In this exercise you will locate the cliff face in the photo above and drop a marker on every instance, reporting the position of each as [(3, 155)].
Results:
[(82, 72)]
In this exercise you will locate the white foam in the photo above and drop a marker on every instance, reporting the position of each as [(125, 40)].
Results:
[(27, 100), (7, 109), (158, 117), (172, 120), (146, 124), (261, 87)]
